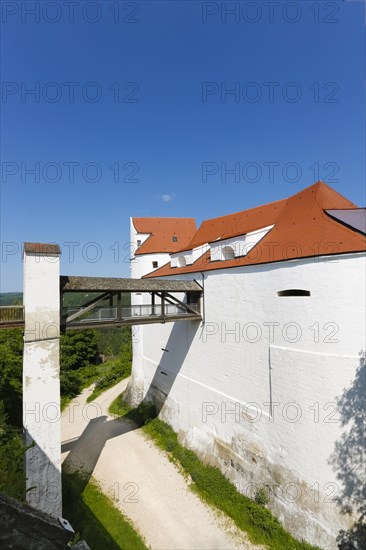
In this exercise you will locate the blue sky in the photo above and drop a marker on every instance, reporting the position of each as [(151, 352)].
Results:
[(143, 90)]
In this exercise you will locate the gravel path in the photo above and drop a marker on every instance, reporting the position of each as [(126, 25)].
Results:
[(144, 484)]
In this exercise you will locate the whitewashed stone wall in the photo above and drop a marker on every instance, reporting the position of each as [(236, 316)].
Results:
[(254, 389), (139, 266)]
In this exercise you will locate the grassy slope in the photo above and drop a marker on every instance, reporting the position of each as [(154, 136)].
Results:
[(95, 518), (87, 377), (212, 486), (113, 372), (106, 376), (91, 513)]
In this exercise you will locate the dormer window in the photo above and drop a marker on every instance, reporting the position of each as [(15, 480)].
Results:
[(155, 265), (228, 253), (174, 239), (138, 244), (189, 256)]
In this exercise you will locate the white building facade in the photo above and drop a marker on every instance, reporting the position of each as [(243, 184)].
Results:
[(254, 388)]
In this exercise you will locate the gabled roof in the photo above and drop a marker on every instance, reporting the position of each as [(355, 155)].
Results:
[(301, 229), (162, 231)]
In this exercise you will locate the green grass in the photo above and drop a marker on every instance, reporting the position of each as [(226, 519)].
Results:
[(105, 376), (113, 372), (12, 450), (81, 379), (95, 518), (212, 486), (80, 347)]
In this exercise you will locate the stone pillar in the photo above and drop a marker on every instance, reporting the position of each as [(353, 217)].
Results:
[(41, 377)]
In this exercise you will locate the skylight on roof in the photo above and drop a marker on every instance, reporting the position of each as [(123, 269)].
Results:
[(355, 218)]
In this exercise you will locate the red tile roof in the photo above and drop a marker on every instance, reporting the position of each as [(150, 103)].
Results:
[(236, 224), (162, 231), (302, 229)]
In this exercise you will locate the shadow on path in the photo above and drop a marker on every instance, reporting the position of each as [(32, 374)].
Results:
[(86, 449), (78, 467)]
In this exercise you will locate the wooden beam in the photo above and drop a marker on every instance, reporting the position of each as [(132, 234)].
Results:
[(151, 319), (119, 306), (159, 295), (88, 306), (186, 306)]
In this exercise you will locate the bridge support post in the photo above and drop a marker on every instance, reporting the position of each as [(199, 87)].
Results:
[(41, 377)]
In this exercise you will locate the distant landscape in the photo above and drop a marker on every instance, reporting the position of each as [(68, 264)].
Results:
[(71, 299), (11, 299)]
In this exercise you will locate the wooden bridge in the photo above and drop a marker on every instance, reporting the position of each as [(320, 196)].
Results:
[(11, 316), (107, 306), (49, 307)]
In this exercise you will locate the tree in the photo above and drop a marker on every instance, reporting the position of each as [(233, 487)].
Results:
[(79, 349), (12, 449), (111, 339), (11, 365)]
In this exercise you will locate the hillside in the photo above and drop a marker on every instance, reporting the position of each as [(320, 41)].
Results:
[(11, 298)]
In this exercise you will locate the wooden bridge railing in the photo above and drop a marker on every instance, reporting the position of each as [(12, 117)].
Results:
[(11, 316), (133, 314)]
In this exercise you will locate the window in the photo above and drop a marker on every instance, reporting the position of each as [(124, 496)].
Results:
[(174, 239), (293, 292), (155, 265), (228, 253), (138, 244), (182, 261)]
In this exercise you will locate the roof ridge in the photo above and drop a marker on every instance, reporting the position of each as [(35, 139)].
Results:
[(322, 190)]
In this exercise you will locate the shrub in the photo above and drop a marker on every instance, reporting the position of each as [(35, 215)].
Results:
[(261, 497), (12, 449), (71, 383), (11, 365)]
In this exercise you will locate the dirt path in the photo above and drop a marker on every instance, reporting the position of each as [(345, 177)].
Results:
[(145, 485)]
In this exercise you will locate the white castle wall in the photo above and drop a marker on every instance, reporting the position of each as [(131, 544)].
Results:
[(140, 265), (254, 389), (41, 382)]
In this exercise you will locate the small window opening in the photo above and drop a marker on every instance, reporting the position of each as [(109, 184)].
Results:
[(155, 265), (228, 253), (174, 239), (293, 292), (182, 261), (138, 244)]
